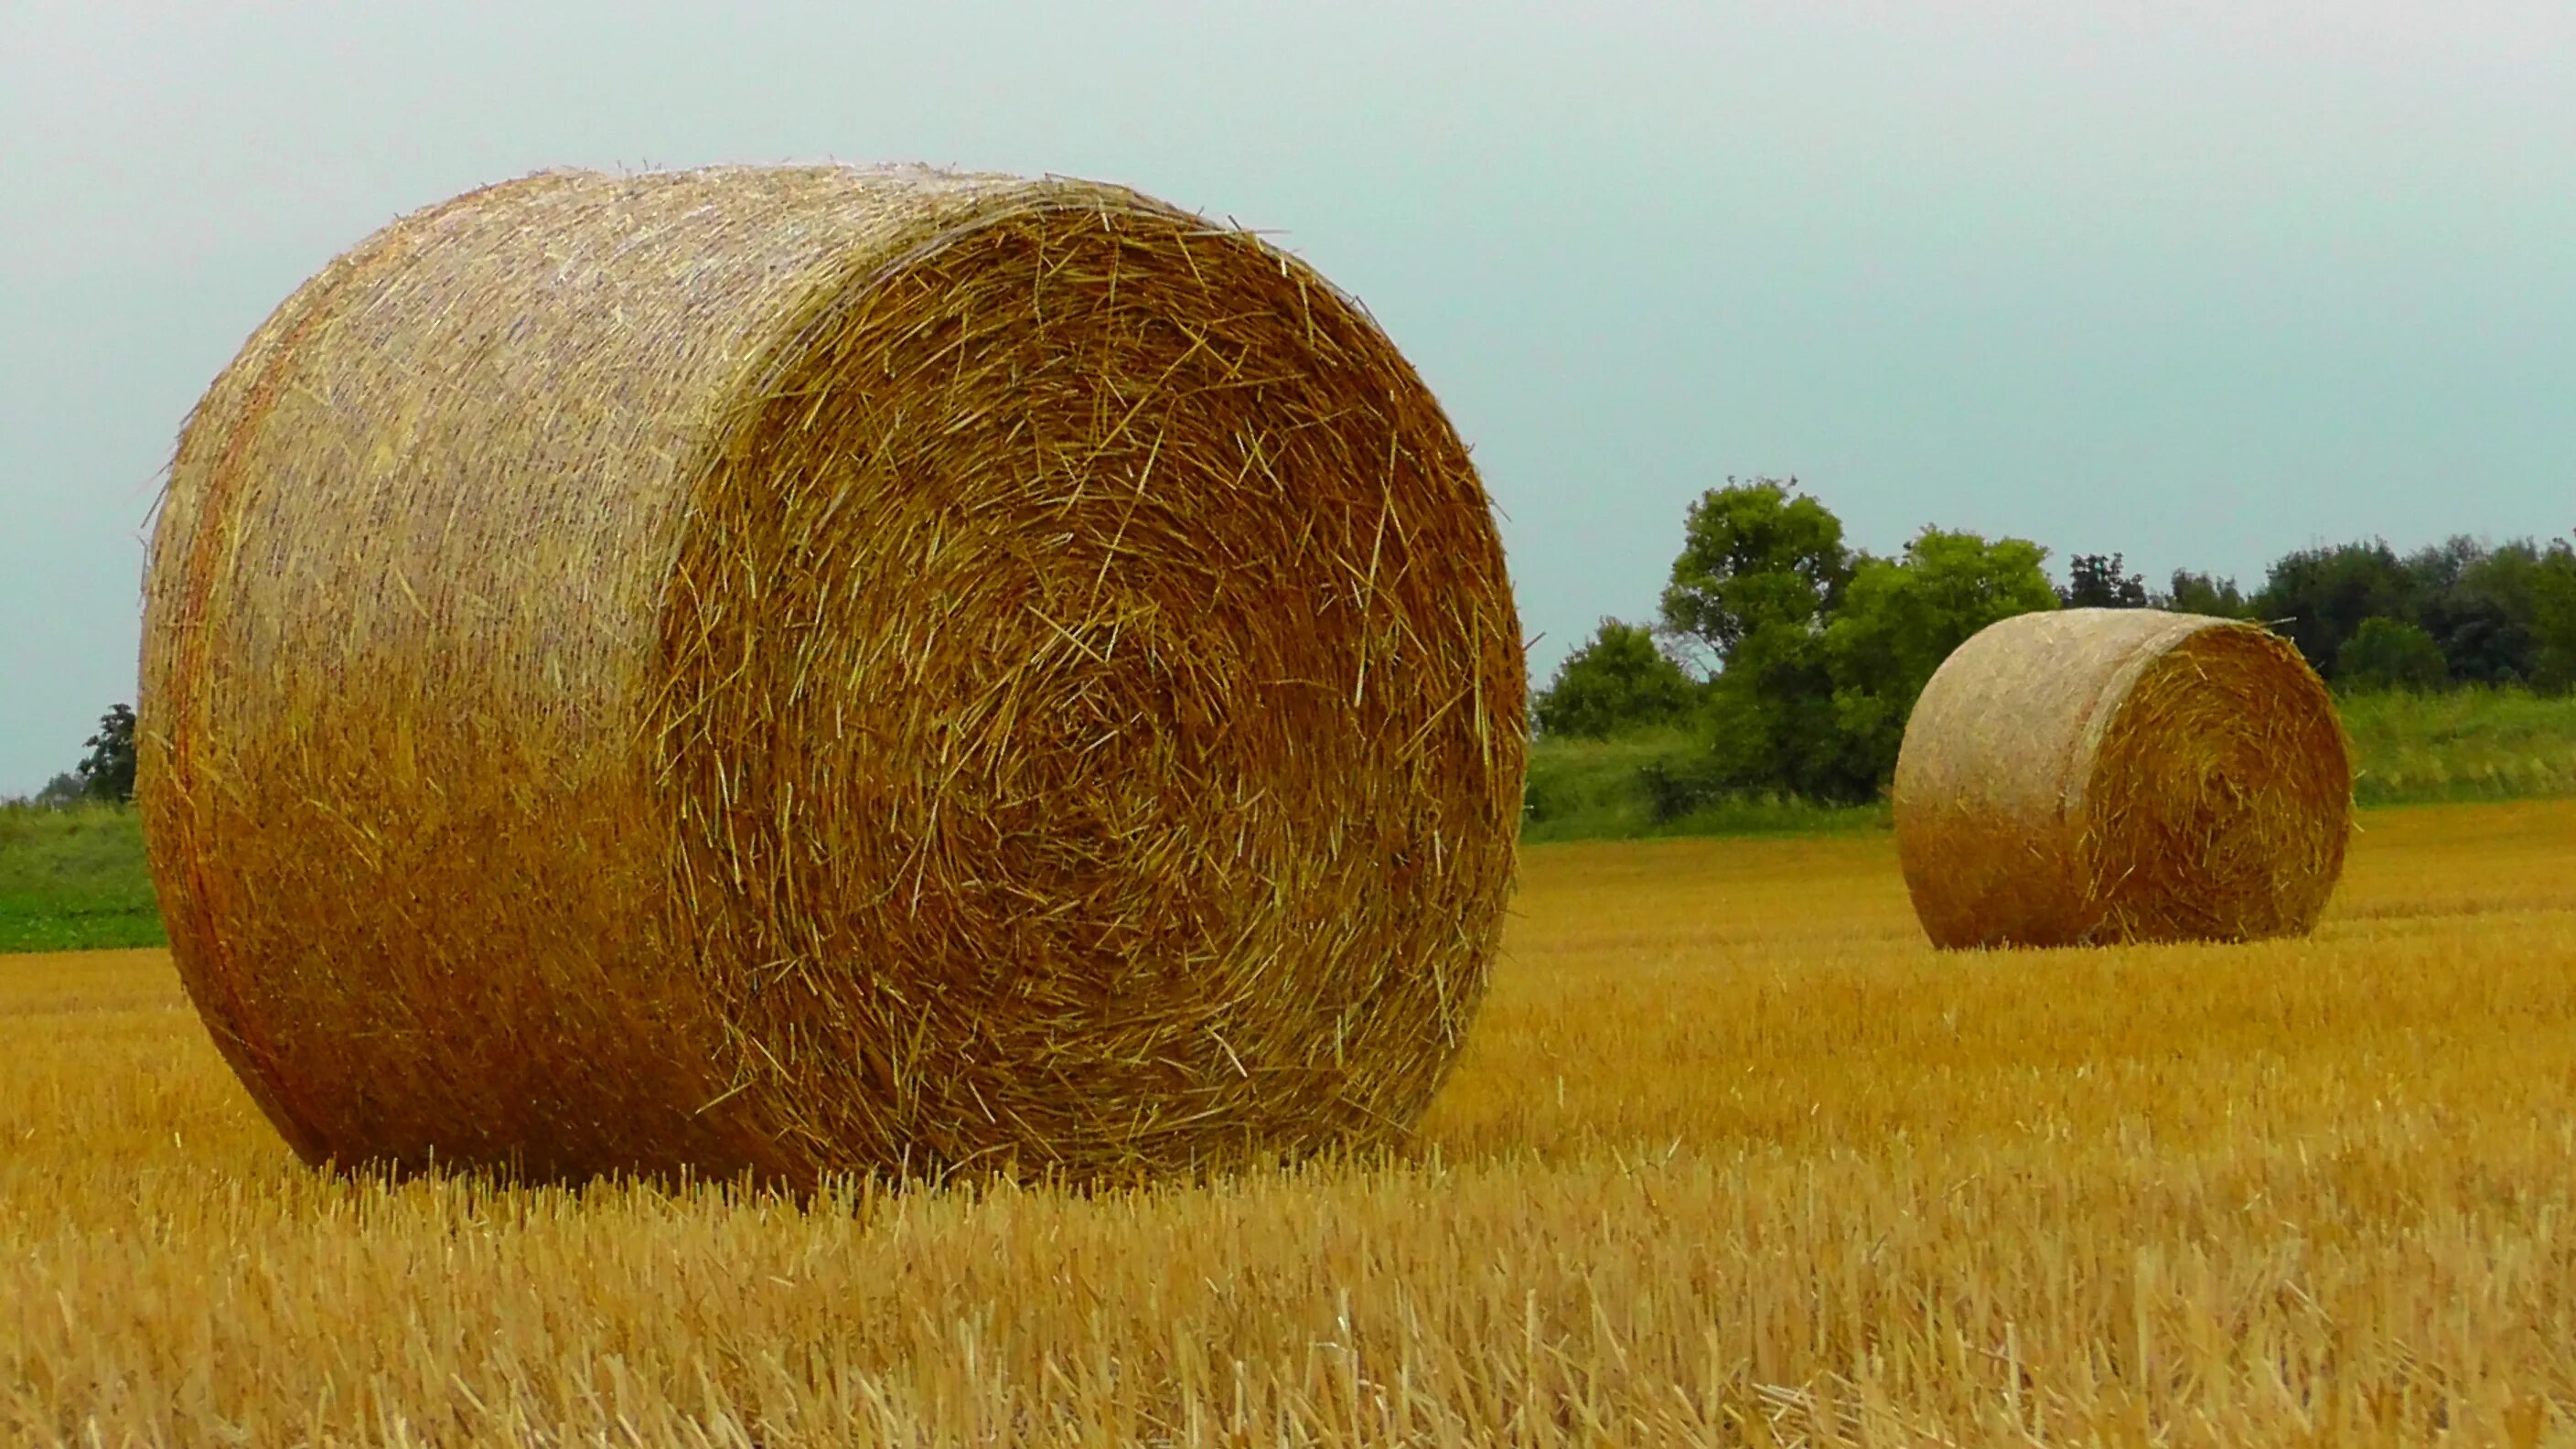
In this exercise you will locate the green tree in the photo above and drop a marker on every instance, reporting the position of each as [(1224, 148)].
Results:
[(2391, 654), (1754, 555), (1902, 617), (2322, 595), (2197, 593), (1617, 681), (2099, 581), (63, 790), (2553, 619), (1771, 719), (107, 772), (2478, 604)]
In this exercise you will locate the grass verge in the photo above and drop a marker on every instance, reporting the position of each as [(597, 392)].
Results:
[(2471, 744), (74, 880), (2408, 749), (1646, 786)]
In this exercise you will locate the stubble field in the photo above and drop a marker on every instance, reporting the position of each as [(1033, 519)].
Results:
[(1733, 1158)]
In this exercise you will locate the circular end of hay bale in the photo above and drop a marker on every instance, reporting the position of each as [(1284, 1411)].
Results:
[(1164, 795), (854, 671), (2094, 776)]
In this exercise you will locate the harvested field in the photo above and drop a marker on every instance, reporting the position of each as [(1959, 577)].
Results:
[(1733, 1156)]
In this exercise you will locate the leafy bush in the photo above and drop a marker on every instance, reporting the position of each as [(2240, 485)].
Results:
[(1617, 682), (2389, 654)]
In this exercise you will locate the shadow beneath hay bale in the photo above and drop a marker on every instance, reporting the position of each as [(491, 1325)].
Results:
[(862, 1194)]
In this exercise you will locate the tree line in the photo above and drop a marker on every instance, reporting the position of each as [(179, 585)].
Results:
[(1797, 658)]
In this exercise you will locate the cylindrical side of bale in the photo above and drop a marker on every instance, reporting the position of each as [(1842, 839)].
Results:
[(793, 670), (2091, 776)]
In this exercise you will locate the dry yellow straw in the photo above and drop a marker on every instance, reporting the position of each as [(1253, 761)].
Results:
[(2101, 775), (790, 670)]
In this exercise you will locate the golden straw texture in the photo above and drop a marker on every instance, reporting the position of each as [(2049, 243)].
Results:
[(790, 670), (2100, 775)]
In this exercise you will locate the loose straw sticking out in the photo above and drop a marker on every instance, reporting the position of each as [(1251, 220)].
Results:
[(798, 670), (2101, 775)]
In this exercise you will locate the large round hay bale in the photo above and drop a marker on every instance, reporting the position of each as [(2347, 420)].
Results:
[(2100, 775), (804, 669)]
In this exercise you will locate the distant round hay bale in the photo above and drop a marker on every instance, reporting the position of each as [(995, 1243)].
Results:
[(789, 670), (2099, 775)]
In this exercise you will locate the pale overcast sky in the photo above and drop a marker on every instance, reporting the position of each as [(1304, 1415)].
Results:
[(2197, 282)]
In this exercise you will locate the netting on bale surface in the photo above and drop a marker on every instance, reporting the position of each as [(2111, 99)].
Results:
[(2104, 775), (790, 670)]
